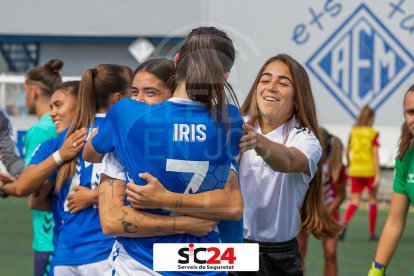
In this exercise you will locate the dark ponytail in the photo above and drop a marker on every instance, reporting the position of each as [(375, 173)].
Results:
[(205, 57)]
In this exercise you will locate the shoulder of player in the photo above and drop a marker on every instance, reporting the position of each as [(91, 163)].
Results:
[(60, 138), (44, 125), (126, 107), (302, 132), (54, 144), (233, 110), (234, 114), (35, 130)]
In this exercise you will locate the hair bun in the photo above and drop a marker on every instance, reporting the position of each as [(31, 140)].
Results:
[(55, 65)]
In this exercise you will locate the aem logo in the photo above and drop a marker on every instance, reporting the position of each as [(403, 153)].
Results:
[(362, 62)]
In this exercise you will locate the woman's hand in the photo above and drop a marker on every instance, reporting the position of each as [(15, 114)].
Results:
[(81, 199), (151, 196), (6, 177), (250, 139), (73, 144)]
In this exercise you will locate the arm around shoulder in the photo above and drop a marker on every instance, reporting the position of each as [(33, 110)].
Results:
[(223, 204), (120, 220)]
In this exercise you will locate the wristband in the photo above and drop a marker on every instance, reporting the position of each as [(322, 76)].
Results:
[(375, 271), (58, 158), (378, 265)]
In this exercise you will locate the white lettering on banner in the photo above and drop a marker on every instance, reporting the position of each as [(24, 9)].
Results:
[(189, 133), (206, 257)]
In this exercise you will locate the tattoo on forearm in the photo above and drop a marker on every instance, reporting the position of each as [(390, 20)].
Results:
[(164, 224), (138, 219), (124, 214), (116, 206), (111, 183), (178, 203), (129, 227)]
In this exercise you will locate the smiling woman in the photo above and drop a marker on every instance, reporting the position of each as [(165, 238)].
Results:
[(275, 97), (63, 104), (72, 193), (153, 81), (403, 191), (279, 172)]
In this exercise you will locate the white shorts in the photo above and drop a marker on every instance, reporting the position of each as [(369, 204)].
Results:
[(123, 264), (98, 268)]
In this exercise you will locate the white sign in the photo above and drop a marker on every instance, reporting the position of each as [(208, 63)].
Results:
[(206, 257), (141, 49)]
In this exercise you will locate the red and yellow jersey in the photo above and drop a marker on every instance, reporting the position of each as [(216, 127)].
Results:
[(361, 151)]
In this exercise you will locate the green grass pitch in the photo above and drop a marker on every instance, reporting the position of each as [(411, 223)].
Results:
[(355, 253)]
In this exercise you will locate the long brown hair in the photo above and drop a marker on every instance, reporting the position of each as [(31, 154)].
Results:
[(406, 136), (365, 115), (204, 58), (47, 76), (315, 218), (332, 153), (96, 88)]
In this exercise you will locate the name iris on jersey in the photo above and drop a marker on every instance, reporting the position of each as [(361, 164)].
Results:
[(189, 133)]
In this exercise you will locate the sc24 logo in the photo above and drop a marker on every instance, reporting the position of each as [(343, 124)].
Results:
[(201, 255)]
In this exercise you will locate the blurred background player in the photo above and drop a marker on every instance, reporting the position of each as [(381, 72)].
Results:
[(364, 168), (334, 181), (403, 191), (10, 159)]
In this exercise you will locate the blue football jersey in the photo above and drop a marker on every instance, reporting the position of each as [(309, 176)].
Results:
[(231, 231), (176, 141), (80, 238)]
